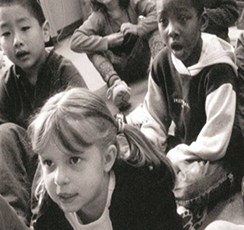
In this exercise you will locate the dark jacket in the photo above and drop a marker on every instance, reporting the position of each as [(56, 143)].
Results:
[(142, 200), (19, 99)]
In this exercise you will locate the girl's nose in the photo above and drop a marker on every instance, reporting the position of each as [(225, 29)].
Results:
[(61, 176)]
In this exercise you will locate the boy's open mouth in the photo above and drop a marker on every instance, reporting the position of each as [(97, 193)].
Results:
[(21, 54), (176, 47)]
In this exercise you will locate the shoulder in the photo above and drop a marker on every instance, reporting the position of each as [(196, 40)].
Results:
[(162, 63), (59, 64)]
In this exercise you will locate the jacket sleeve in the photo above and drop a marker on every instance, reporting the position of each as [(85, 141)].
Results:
[(156, 126), (239, 53), (212, 142), (88, 38), (147, 9), (6, 104), (70, 75), (226, 14)]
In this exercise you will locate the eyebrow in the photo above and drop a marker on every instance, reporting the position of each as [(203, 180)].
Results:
[(4, 25)]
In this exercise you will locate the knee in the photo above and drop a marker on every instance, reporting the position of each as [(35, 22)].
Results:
[(9, 129)]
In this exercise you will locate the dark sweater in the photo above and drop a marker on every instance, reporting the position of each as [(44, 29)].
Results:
[(142, 200), (19, 99)]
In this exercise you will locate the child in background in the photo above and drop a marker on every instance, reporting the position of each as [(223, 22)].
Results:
[(119, 43), (82, 180), (222, 14), (35, 75), (192, 83)]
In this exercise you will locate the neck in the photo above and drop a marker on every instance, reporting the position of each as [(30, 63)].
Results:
[(96, 209), (194, 58), (32, 73)]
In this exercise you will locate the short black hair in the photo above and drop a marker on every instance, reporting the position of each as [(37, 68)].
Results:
[(33, 6), (198, 5), (96, 6)]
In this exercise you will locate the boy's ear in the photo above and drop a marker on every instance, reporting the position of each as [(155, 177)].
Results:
[(110, 157), (204, 20), (46, 31)]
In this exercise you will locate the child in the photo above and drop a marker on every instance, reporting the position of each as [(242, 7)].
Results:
[(192, 84), (84, 182), (117, 41), (36, 74), (222, 14)]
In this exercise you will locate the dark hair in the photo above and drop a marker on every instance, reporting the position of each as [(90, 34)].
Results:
[(198, 6), (33, 6), (96, 6)]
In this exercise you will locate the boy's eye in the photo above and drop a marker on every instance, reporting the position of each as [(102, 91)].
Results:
[(163, 21), (25, 28), (74, 160), (182, 18), (47, 163), (5, 34)]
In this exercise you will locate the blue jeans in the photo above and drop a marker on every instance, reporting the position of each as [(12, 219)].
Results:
[(17, 168)]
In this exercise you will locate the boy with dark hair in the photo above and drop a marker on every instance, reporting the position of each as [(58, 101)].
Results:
[(192, 84), (37, 74)]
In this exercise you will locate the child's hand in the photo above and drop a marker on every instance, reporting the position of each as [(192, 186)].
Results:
[(115, 39), (128, 28)]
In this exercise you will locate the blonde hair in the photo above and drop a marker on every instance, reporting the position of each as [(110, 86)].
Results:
[(61, 118)]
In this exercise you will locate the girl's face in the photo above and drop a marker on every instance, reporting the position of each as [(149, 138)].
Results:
[(76, 182), (180, 28)]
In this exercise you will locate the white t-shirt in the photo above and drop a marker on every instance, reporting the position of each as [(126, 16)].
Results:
[(104, 222)]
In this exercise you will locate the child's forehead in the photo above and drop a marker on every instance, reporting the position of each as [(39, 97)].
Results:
[(173, 6), (15, 13)]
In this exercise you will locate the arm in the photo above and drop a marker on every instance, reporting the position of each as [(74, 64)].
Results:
[(88, 38), (147, 9), (239, 53), (6, 104), (213, 140), (69, 75), (157, 124)]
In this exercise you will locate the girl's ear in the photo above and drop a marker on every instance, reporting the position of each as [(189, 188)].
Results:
[(204, 20), (46, 31), (110, 157)]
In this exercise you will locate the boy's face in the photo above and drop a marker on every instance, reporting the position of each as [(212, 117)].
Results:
[(180, 28), (75, 181), (22, 38)]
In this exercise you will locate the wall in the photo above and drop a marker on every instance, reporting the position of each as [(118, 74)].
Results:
[(61, 13)]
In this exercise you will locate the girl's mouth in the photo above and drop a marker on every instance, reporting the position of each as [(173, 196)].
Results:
[(67, 197)]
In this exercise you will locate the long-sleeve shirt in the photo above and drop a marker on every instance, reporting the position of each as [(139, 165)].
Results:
[(201, 100), (91, 35), (19, 99)]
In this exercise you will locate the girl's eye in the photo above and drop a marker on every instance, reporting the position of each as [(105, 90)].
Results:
[(47, 163), (74, 160)]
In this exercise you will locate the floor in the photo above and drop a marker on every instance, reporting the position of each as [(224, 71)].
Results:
[(231, 209)]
